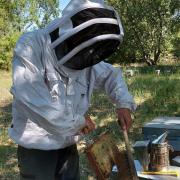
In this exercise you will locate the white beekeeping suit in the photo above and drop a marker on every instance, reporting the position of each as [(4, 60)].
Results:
[(56, 69)]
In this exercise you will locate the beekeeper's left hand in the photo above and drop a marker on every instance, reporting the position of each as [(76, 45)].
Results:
[(124, 118)]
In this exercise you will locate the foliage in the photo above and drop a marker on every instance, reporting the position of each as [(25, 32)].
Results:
[(176, 45), (147, 29), (7, 36), (37, 14), (175, 10), (18, 16), (151, 27)]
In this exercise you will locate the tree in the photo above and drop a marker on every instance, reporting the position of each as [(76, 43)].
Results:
[(34, 14), (18, 16), (147, 29), (7, 34)]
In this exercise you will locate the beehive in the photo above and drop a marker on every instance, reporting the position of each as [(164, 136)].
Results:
[(159, 125)]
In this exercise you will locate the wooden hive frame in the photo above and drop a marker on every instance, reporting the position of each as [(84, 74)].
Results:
[(103, 154)]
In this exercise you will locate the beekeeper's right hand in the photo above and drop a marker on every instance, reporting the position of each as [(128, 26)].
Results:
[(90, 126)]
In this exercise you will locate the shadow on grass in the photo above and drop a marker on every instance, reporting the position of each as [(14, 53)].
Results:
[(5, 120), (8, 163), (8, 159), (5, 115)]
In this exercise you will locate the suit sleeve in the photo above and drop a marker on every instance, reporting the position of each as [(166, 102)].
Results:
[(110, 79)]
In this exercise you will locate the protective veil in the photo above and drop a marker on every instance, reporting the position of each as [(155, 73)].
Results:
[(87, 33)]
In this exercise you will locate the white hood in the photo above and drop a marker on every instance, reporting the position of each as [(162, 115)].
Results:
[(88, 30), (74, 4)]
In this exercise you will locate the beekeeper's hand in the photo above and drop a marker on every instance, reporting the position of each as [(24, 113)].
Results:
[(124, 118), (90, 126)]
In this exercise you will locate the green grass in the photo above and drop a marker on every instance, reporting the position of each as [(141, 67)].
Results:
[(155, 96), (8, 160)]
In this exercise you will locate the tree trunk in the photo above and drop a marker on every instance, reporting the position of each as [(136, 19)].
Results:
[(156, 56), (150, 62)]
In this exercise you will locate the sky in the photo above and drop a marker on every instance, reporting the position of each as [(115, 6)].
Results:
[(63, 3)]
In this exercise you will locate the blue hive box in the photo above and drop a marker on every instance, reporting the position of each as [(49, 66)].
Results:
[(159, 125)]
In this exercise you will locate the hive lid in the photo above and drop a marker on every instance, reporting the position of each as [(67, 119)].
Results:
[(164, 122)]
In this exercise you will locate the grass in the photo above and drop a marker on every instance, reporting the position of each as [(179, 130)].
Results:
[(8, 160), (155, 96)]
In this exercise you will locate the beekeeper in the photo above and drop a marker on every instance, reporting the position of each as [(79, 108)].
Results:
[(55, 71)]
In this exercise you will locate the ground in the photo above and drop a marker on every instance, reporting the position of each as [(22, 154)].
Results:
[(155, 95)]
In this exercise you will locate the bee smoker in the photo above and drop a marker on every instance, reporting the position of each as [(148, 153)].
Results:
[(159, 156)]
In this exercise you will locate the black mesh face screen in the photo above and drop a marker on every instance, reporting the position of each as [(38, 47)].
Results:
[(99, 50), (54, 35), (92, 54), (83, 36), (61, 50), (91, 13), (92, 31)]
